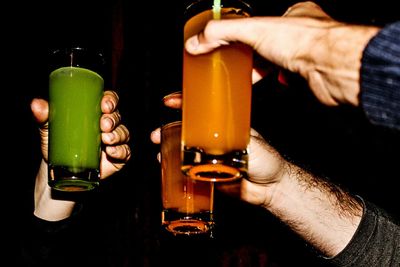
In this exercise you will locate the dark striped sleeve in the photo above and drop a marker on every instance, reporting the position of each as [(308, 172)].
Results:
[(380, 77)]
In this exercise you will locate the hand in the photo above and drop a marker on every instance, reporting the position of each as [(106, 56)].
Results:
[(307, 204), (266, 166), (327, 53), (116, 153)]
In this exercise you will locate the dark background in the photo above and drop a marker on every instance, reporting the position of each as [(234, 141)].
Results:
[(120, 224)]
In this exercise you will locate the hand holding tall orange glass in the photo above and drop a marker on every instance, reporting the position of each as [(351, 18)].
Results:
[(216, 99)]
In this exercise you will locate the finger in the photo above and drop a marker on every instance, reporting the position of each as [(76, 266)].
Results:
[(109, 101), (120, 152), (222, 32), (254, 133), (202, 43), (173, 100), (155, 136), (119, 135), (40, 110), (109, 121)]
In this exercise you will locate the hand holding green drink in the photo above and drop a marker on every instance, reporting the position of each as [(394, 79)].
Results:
[(75, 92)]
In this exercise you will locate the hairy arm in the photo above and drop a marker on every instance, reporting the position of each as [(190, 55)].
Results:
[(320, 212)]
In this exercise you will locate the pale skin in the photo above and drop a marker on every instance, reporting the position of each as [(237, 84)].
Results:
[(328, 55), (114, 156)]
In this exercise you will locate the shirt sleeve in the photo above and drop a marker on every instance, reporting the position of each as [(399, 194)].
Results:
[(380, 77), (45, 242), (375, 243)]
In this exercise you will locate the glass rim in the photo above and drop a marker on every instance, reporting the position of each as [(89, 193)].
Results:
[(241, 3), (77, 56), (170, 125)]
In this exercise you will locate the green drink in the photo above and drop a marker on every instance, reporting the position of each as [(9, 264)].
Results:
[(74, 128)]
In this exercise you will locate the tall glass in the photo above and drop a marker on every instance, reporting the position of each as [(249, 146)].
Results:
[(187, 203), (75, 93), (216, 99)]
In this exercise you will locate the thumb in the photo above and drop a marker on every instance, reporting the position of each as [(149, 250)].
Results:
[(40, 110), (215, 34)]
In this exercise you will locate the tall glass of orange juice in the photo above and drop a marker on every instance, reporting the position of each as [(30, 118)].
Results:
[(216, 99)]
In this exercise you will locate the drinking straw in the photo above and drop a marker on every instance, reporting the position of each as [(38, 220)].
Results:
[(217, 9)]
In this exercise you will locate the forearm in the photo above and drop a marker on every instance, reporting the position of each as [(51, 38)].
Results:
[(322, 214), (46, 207)]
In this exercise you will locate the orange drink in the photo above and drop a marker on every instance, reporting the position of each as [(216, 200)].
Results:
[(187, 204), (216, 101)]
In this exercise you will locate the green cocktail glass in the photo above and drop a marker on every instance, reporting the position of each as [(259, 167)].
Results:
[(74, 125)]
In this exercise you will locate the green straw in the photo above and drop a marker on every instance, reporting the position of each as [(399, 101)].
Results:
[(217, 9)]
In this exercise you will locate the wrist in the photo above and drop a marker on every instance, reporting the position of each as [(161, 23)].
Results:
[(323, 214), (46, 207)]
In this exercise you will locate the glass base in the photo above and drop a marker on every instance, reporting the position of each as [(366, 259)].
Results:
[(187, 224), (63, 179), (199, 165)]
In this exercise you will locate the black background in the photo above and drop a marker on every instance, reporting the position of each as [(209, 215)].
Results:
[(120, 223)]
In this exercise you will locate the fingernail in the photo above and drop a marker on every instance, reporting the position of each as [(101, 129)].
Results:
[(110, 137), (110, 123), (192, 43), (172, 95), (110, 105), (155, 134), (111, 150)]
